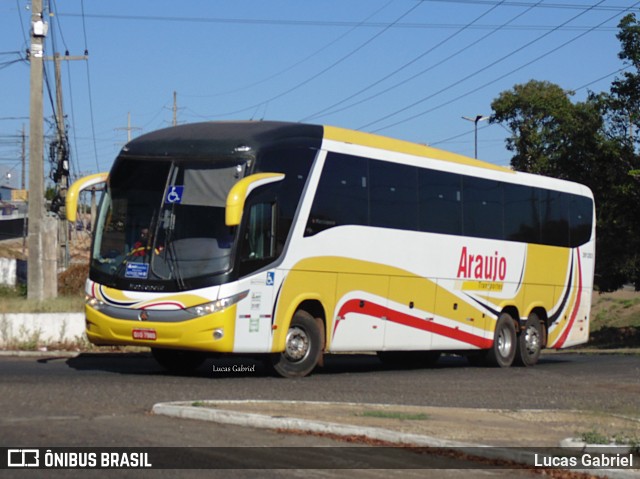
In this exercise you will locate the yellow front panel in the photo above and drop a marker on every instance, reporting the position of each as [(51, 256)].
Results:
[(195, 334)]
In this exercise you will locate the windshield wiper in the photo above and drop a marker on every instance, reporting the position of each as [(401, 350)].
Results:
[(173, 262)]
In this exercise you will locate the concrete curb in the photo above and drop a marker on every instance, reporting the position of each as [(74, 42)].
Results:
[(187, 410)]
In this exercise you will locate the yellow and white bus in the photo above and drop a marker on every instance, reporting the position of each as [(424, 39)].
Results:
[(291, 241)]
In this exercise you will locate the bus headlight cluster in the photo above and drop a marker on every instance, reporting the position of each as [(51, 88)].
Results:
[(218, 305), (95, 303)]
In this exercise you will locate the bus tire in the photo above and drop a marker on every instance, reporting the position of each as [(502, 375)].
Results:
[(303, 347), (178, 361), (530, 342), (503, 349)]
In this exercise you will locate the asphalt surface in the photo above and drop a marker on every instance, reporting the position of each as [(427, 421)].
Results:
[(107, 400)]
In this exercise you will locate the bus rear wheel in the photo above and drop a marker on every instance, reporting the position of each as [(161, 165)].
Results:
[(503, 350), (303, 347), (530, 342), (178, 361)]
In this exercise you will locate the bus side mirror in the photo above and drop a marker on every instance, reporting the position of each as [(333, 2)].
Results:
[(240, 191), (73, 193)]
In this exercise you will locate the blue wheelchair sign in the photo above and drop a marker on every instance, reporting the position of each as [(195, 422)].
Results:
[(174, 195)]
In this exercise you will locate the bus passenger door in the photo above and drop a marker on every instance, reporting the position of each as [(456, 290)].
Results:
[(257, 250), (409, 318), (254, 314), (360, 312)]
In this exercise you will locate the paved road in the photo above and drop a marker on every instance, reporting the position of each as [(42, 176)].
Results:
[(104, 399)]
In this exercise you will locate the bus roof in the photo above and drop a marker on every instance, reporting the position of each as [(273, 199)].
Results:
[(207, 140), (213, 139), (391, 144)]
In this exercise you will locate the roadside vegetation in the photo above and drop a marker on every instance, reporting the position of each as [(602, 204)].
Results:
[(615, 320), (70, 295)]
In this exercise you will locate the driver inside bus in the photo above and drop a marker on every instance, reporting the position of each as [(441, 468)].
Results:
[(141, 245)]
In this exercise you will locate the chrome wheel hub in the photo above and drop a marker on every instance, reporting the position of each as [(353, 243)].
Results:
[(297, 344)]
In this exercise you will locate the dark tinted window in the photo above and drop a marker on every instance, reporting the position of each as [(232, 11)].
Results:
[(440, 202), (342, 197), (580, 219), (358, 191), (394, 195), (482, 208), (521, 213), (554, 216)]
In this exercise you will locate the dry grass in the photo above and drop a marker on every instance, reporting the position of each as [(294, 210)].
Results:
[(618, 309)]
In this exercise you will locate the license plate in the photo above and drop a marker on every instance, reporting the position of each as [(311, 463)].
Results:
[(147, 334)]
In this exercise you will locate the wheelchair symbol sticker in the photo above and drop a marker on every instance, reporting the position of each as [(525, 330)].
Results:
[(270, 278), (174, 195)]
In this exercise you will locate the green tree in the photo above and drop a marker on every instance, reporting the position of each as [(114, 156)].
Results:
[(591, 142), (620, 109)]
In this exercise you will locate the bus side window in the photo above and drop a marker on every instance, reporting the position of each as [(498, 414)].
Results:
[(580, 220), (259, 241), (440, 202), (554, 210), (342, 197)]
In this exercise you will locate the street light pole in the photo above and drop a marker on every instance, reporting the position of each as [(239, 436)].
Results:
[(476, 120)]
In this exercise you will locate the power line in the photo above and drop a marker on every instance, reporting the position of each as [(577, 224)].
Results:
[(602, 78), (55, 17), (8, 63), (24, 33), (471, 75), (565, 6), (299, 62), (455, 137), (73, 162), (86, 52), (337, 23), (326, 69), (326, 111), (492, 81)]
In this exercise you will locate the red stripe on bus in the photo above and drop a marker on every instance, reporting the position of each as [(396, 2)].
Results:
[(372, 309), (574, 313)]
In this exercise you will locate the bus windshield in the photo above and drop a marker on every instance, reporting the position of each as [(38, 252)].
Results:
[(165, 221)]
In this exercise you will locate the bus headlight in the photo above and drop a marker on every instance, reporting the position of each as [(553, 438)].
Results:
[(95, 303), (218, 305)]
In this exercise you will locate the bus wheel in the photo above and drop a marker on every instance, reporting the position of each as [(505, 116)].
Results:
[(302, 349), (503, 350), (178, 361), (530, 342)]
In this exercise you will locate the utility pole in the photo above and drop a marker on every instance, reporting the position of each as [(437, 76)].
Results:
[(129, 128), (24, 160), (61, 175), (41, 273), (23, 187), (175, 108)]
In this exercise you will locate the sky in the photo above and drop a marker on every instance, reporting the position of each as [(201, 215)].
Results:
[(408, 69)]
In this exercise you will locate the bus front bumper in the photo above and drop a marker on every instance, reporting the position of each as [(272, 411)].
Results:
[(211, 333)]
